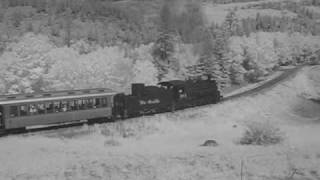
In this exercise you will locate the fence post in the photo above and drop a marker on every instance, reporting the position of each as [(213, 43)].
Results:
[(241, 169)]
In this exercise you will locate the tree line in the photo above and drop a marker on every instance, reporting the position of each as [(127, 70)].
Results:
[(212, 43)]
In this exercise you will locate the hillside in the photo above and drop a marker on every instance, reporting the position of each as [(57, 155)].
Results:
[(167, 146), (55, 45)]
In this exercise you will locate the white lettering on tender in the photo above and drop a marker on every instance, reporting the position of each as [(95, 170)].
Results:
[(150, 101)]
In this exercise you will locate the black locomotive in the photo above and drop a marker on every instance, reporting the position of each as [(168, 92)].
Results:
[(167, 96)]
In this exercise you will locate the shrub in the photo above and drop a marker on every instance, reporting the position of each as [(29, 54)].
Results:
[(261, 133), (253, 75)]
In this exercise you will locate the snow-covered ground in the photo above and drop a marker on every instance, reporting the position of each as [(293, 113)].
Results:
[(217, 12), (167, 146)]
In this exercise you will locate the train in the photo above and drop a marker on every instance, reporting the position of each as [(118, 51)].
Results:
[(20, 111)]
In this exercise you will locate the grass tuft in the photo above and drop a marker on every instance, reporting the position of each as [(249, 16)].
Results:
[(261, 133)]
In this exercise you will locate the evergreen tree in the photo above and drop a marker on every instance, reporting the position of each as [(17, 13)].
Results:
[(191, 17), (236, 73), (221, 56), (163, 53), (231, 23), (195, 71), (214, 61)]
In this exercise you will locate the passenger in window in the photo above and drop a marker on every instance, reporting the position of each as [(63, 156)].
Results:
[(63, 106), (97, 103), (56, 106), (49, 107), (81, 104), (33, 110), (94, 103), (23, 110), (41, 109)]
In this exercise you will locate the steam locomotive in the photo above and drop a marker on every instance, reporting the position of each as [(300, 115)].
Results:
[(167, 96), (24, 110)]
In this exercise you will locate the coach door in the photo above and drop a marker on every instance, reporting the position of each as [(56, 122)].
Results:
[(119, 106), (1, 117)]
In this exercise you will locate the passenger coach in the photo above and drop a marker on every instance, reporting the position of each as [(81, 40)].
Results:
[(23, 110)]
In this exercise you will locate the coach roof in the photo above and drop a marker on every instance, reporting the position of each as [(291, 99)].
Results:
[(55, 95)]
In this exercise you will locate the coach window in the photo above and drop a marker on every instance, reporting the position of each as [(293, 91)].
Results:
[(13, 111), (70, 105), (94, 103), (82, 104), (104, 102), (49, 107), (63, 106), (56, 106), (90, 103), (86, 101), (33, 109), (41, 109), (97, 102), (75, 105), (23, 110)]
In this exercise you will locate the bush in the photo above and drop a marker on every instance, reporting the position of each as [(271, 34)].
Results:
[(253, 75), (261, 133)]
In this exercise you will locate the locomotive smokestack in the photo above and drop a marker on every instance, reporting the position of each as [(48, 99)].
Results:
[(137, 89)]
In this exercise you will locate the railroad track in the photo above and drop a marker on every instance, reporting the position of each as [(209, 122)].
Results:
[(267, 85), (254, 91)]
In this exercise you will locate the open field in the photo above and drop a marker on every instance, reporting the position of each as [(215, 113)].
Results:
[(217, 12)]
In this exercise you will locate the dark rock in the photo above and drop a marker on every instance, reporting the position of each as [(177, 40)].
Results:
[(210, 143)]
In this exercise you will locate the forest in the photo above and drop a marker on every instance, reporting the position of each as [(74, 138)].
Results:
[(70, 44)]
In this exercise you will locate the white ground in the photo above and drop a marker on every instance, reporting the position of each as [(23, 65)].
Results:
[(167, 146), (217, 12)]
